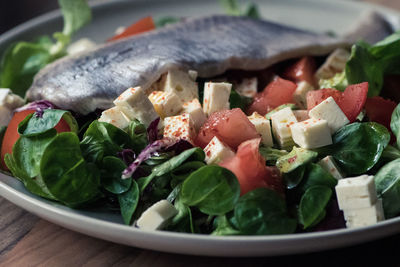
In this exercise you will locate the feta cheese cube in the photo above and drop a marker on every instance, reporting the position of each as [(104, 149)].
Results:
[(328, 110), (194, 109), (115, 117), (5, 116), (180, 127), (217, 151), (10, 100), (166, 104), (136, 105), (364, 216), (180, 83), (216, 97), (301, 115), (82, 45), (335, 63), (248, 87), (356, 192), (263, 127), (329, 164), (193, 75), (281, 121), (311, 133), (156, 217), (300, 94)]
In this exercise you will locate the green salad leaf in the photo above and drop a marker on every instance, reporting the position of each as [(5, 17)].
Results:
[(232, 8), (395, 124), (22, 60), (128, 201), (212, 189), (111, 180)]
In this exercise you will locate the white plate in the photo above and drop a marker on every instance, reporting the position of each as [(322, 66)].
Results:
[(316, 15)]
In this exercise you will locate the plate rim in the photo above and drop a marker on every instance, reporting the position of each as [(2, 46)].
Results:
[(44, 210)]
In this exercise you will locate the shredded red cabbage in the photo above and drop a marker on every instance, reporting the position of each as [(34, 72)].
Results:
[(152, 130), (38, 106), (127, 155)]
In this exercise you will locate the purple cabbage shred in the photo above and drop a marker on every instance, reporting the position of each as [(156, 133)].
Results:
[(127, 156), (152, 130), (39, 107)]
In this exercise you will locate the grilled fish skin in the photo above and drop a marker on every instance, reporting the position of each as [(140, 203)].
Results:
[(211, 45)]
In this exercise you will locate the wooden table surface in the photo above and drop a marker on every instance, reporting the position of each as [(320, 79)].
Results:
[(26, 240)]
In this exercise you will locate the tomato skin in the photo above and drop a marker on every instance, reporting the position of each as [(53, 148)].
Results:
[(230, 126), (351, 101), (380, 110), (302, 70), (277, 92), (143, 25), (249, 167), (317, 96), (11, 135)]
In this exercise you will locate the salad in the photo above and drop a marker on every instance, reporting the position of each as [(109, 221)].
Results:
[(308, 144)]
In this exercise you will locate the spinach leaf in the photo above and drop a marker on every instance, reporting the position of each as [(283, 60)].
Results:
[(65, 173), (224, 227), (111, 180), (138, 133), (387, 182), (263, 212), (183, 221), (395, 124), (357, 147), (232, 8), (76, 14), (128, 202), (22, 60), (103, 139), (312, 205), (272, 154), (371, 63), (183, 171), (316, 175), (35, 124), (238, 101), (196, 154), (292, 165), (252, 12), (390, 153), (212, 189), (164, 21)]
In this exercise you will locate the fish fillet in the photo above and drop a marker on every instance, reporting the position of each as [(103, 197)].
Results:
[(211, 45)]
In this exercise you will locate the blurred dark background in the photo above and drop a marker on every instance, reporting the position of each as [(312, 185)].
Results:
[(14, 12)]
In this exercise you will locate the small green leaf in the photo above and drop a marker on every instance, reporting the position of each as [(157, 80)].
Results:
[(76, 14), (112, 168), (128, 202)]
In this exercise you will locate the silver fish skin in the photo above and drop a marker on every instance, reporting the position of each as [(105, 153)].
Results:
[(211, 45)]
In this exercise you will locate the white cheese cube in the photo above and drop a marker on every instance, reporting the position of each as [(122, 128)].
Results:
[(263, 127), (364, 216), (216, 97), (248, 87), (193, 75), (311, 133), (194, 109), (328, 110), (156, 217), (356, 192), (329, 164), (180, 83), (136, 105), (82, 45), (5, 116), (217, 151), (10, 100), (300, 94), (281, 121), (165, 103), (335, 63), (301, 115), (180, 127), (115, 117)]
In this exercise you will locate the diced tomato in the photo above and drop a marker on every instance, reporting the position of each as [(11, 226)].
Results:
[(277, 93), (250, 169), (351, 101), (302, 70), (11, 135), (230, 126), (143, 25), (380, 110), (317, 96)]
